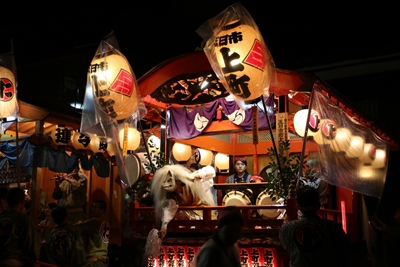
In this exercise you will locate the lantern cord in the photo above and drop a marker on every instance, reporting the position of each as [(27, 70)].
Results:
[(272, 138), (147, 149)]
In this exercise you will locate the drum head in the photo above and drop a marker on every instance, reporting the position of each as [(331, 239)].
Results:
[(236, 198), (133, 168), (264, 199)]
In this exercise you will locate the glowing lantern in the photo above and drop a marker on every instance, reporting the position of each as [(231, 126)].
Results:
[(356, 147), (342, 140), (80, 141), (61, 135), (181, 152), (98, 145), (111, 149), (133, 141), (326, 133), (222, 161), (242, 58), (153, 144), (8, 97), (205, 157), (368, 154), (300, 121), (114, 87), (380, 159)]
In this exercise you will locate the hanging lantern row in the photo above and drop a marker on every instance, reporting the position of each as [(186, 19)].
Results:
[(339, 139), (62, 136)]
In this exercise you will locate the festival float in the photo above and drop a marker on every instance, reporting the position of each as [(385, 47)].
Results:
[(206, 107)]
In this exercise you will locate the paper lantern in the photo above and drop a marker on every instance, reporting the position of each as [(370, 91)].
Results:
[(367, 172), (61, 135), (326, 132), (98, 144), (242, 57), (133, 140), (111, 149), (368, 154), (80, 141), (8, 97), (300, 121), (380, 159), (205, 157), (356, 147), (342, 140), (181, 152), (222, 161), (154, 144), (114, 88)]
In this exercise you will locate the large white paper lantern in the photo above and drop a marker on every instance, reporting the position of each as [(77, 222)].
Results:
[(368, 154), (80, 141), (8, 93), (61, 135), (356, 147), (342, 140), (98, 144), (326, 132), (153, 144), (133, 138), (114, 87), (241, 54), (111, 149), (300, 121), (380, 159), (205, 156), (181, 152), (222, 161)]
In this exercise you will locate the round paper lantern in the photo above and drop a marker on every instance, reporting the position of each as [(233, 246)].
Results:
[(111, 149), (205, 157), (133, 138), (300, 121), (380, 159), (154, 144), (80, 141), (326, 132), (114, 88), (368, 154), (181, 152), (8, 97), (367, 172), (98, 144), (61, 135), (342, 140), (356, 147), (241, 54), (222, 161)]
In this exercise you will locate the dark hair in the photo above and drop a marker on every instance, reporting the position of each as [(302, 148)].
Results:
[(230, 214), (3, 192), (308, 200), (52, 205), (15, 196), (195, 166), (59, 214), (102, 204)]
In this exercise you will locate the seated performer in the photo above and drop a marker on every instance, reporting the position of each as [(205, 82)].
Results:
[(174, 185)]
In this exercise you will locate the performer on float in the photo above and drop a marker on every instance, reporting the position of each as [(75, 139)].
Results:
[(240, 176), (175, 185)]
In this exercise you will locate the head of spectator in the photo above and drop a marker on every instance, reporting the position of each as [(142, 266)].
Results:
[(240, 165), (230, 224), (59, 215), (99, 208), (308, 201), (49, 208), (195, 167), (3, 198), (16, 199)]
